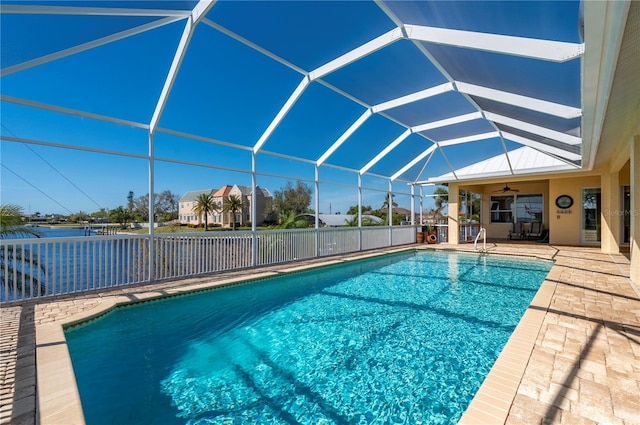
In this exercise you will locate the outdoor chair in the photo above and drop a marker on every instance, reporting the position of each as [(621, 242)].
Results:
[(536, 230), (517, 231)]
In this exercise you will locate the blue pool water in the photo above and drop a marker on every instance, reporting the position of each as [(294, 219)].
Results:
[(406, 338)]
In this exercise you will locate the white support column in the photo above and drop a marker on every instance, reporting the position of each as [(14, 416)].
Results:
[(453, 207), (421, 205), (152, 253), (413, 205), (317, 208), (610, 217), (254, 211), (359, 212), (635, 210), (390, 212)]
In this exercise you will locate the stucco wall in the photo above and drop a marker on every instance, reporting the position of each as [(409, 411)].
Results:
[(565, 227), (501, 230)]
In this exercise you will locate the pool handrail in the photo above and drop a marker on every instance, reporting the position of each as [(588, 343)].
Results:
[(482, 232)]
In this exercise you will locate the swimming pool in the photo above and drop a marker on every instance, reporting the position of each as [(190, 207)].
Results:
[(406, 338)]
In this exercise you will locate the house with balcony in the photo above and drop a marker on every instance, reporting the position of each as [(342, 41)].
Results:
[(243, 217)]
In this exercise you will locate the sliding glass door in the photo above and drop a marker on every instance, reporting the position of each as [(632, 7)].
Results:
[(591, 208)]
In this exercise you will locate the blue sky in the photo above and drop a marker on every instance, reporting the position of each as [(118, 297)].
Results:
[(230, 92)]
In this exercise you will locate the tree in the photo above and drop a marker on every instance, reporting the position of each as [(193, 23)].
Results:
[(441, 200), (100, 214), (130, 203), (353, 222), (18, 265), (354, 209), (140, 210), (442, 197), (11, 224), (293, 221), (290, 199), (204, 204), (167, 205), (232, 204), (385, 204), (79, 217), (383, 211), (121, 215)]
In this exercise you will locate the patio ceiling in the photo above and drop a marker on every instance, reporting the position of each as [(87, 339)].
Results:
[(412, 91)]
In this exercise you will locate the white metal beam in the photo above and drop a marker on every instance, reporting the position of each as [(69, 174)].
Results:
[(87, 46), (202, 139), (197, 14), (534, 129), (446, 122), (282, 113), (506, 152), (344, 136), (413, 97), (474, 138), (74, 147), (357, 53), (385, 151), (568, 167), (74, 112), (89, 11), (413, 162), (542, 147), (531, 103), (252, 45), (422, 171), (549, 50)]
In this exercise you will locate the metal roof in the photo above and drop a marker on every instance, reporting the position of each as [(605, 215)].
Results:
[(414, 91), (195, 194)]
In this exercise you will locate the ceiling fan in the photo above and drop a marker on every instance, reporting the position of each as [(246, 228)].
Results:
[(506, 189)]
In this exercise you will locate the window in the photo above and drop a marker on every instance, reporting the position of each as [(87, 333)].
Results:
[(502, 209), (527, 208)]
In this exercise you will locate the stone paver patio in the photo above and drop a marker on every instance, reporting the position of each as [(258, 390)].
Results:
[(573, 359)]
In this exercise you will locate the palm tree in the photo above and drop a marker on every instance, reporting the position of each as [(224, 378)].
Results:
[(11, 224), (205, 205), (291, 220), (232, 204), (353, 222), (17, 264), (121, 215), (385, 204), (442, 198), (384, 209)]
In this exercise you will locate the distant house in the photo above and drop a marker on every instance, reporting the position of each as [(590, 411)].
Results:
[(405, 213), (222, 218), (186, 215)]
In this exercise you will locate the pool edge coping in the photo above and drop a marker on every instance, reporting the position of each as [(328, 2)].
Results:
[(507, 372), (58, 397)]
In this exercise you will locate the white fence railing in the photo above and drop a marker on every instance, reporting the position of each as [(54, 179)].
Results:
[(34, 268)]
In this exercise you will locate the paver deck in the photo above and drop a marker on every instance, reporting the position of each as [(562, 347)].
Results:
[(573, 359)]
